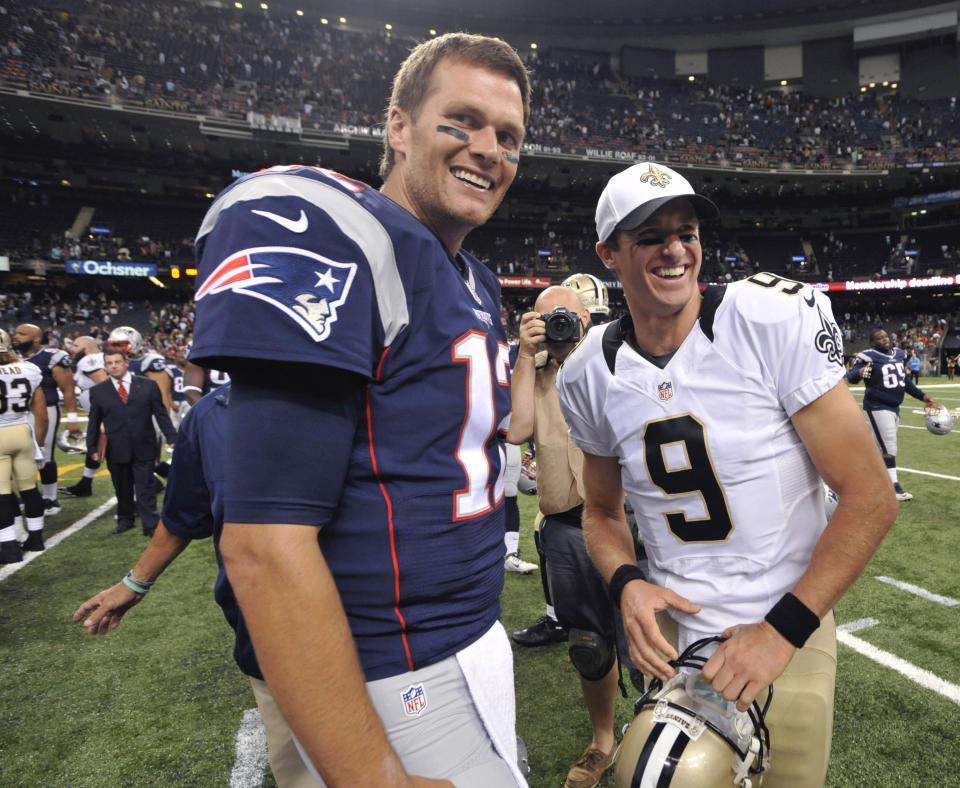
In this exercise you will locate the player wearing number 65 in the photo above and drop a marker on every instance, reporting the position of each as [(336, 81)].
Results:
[(717, 412), (363, 511)]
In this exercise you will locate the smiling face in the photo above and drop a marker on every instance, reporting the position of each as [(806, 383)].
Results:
[(116, 364), (658, 264), (456, 158)]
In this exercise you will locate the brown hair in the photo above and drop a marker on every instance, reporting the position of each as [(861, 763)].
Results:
[(411, 81)]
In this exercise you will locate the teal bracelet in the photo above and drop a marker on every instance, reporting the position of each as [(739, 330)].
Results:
[(148, 584), (137, 589)]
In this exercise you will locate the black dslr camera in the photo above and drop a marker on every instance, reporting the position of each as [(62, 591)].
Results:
[(562, 326)]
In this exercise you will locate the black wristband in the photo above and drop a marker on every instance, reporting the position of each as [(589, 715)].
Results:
[(621, 577), (793, 619)]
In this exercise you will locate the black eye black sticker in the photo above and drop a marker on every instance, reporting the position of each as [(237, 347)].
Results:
[(457, 134)]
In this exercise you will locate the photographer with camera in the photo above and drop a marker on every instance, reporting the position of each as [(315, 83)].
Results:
[(579, 593)]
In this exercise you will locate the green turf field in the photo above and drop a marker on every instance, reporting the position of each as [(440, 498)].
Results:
[(159, 701)]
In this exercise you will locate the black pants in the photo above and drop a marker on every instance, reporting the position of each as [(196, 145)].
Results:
[(136, 492)]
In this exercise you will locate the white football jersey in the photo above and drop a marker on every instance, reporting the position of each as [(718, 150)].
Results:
[(18, 381), (728, 503), (86, 366)]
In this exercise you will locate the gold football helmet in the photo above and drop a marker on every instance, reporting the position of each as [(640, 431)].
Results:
[(592, 292), (5, 344), (686, 735)]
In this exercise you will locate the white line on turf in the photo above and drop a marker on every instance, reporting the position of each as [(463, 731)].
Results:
[(910, 588), (856, 626), (54, 540), (251, 762), (929, 473), (918, 675)]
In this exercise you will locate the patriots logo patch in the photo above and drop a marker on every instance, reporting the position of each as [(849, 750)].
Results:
[(307, 287)]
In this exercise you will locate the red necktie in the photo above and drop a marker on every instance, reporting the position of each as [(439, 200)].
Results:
[(122, 392)]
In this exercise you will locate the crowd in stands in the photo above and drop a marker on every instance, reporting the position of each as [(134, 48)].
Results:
[(193, 57), (167, 325)]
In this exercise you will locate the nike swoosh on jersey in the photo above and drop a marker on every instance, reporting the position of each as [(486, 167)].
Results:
[(298, 225)]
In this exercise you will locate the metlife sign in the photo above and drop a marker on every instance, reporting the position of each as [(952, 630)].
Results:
[(108, 268)]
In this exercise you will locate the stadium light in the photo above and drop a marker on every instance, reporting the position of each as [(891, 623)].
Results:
[(343, 20), (324, 21), (886, 83), (863, 88), (873, 84), (299, 12), (533, 45), (894, 84), (433, 32), (264, 6), (174, 272), (238, 5), (783, 83), (388, 26), (690, 78)]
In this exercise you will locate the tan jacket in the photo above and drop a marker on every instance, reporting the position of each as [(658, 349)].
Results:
[(559, 461)]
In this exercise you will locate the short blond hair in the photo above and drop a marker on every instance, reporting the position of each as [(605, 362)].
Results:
[(412, 80)]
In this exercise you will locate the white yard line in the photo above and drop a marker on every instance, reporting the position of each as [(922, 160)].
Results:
[(910, 588), (53, 541), (251, 762), (929, 473), (910, 671)]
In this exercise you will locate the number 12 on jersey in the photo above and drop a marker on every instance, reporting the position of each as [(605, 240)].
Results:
[(478, 424)]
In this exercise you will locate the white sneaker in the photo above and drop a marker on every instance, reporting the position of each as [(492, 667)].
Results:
[(903, 495), (514, 563)]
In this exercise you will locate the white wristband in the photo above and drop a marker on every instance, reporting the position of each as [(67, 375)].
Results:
[(72, 418), (193, 388)]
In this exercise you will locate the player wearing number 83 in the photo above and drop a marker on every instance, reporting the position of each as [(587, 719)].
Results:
[(716, 412), (364, 485)]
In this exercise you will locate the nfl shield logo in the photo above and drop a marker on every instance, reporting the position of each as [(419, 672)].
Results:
[(414, 700), (665, 390)]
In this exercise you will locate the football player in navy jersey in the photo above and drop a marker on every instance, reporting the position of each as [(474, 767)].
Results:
[(883, 371), (57, 368), (364, 524)]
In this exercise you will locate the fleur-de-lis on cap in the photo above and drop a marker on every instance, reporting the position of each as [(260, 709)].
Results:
[(656, 177)]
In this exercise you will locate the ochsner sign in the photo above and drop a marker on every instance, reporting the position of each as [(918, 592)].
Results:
[(108, 268)]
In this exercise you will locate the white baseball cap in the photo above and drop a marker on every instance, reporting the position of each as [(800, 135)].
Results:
[(634, 195)]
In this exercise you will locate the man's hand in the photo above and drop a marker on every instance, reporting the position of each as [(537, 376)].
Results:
[(752, 657), (107, 608), (639, 603), (73, 426), (532, 332), (865, 372)]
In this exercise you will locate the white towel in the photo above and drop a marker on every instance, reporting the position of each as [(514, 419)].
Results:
[(487, 665)]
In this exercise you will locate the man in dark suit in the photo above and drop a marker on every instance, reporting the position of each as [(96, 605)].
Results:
[(126, 405)]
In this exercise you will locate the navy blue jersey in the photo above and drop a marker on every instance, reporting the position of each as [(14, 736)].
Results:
[(177, 394), (888, 381), (299, 264), (148, 362), (48, 359), (214, 379), (193, 506)]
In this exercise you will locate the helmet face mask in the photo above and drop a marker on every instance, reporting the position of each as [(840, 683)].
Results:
[(126, 339), (72, 442), (686, 735), (938, 420)]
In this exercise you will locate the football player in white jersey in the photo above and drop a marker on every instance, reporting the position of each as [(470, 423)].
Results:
[(718, 413), (20, 397), (88, 362), (57, 368)]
